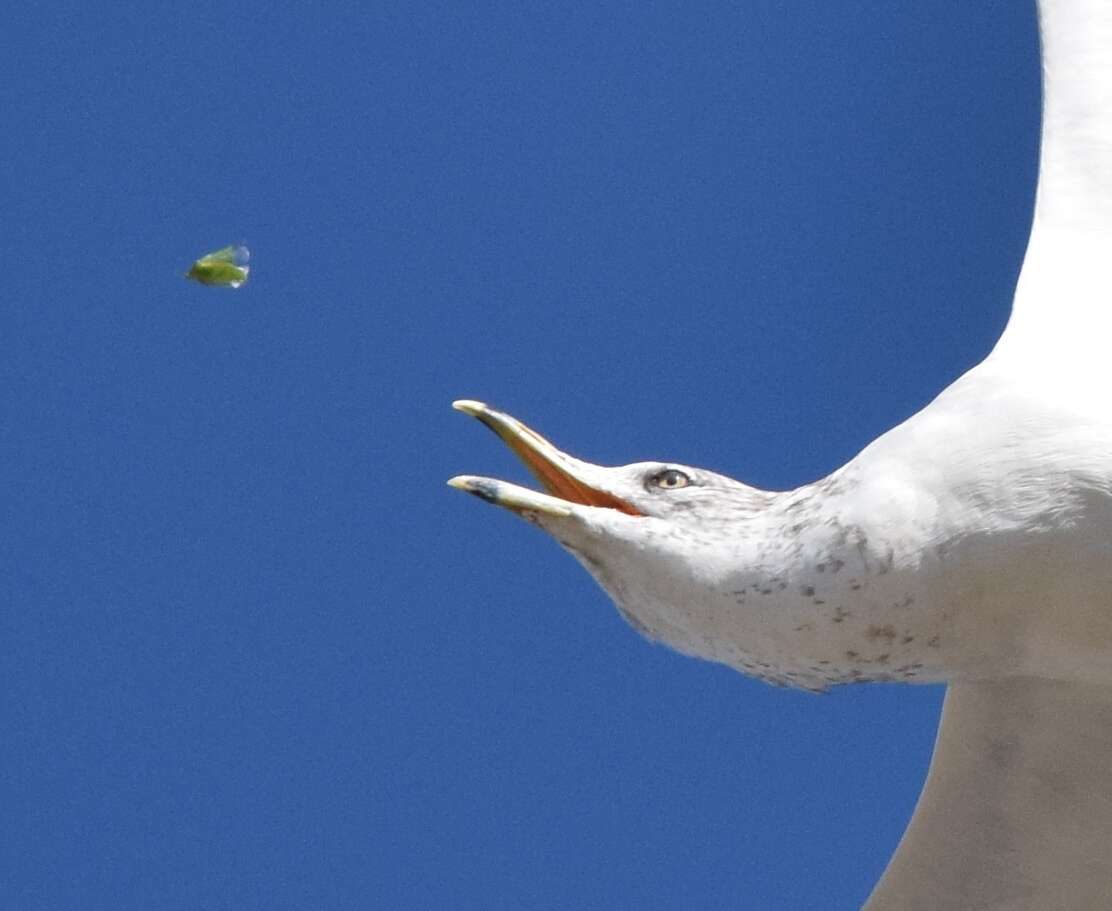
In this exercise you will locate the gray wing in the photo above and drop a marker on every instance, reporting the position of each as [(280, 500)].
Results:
[(1016, 814)]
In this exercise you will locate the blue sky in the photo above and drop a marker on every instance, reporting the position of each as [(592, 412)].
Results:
[(255, 654)]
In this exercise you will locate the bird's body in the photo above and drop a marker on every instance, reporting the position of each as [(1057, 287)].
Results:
[(972, 545), (972, 541)]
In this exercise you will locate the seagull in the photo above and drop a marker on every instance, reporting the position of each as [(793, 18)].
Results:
[(970, 545)]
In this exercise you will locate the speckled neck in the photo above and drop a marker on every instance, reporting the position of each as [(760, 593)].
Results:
[(802, 593)]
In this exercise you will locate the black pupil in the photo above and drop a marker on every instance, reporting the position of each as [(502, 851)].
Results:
[(672, 478)]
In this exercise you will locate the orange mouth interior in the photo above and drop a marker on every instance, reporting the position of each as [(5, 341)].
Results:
[(560, 484)]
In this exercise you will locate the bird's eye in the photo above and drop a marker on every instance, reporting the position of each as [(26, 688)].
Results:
[(669, 479)]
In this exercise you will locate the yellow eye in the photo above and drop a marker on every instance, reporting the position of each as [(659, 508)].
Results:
[(669, 479)]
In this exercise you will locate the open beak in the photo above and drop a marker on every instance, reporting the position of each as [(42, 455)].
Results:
[(560, 475)]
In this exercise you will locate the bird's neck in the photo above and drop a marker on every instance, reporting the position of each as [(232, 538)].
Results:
[(809, 591), (832, 594)]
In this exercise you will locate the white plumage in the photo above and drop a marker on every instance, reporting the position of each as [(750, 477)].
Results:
[(972, 544)]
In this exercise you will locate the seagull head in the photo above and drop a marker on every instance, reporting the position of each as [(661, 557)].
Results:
[(663, 539), (633, 501)]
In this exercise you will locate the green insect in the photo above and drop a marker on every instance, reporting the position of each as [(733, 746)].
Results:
[(226, 268)]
